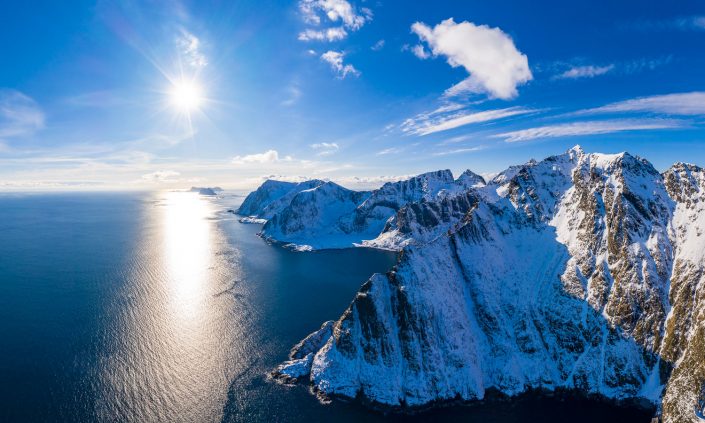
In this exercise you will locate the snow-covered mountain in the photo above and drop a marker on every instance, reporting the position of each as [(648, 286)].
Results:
[(272, 197), (336, 217), (310, 220), (582, 271)]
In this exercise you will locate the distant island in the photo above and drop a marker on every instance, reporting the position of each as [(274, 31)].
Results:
[(206, 190)]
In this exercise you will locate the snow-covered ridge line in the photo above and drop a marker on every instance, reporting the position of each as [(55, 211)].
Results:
[(581, 271), (318, 215)]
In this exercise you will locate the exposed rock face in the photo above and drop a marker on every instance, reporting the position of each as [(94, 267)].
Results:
[(581, 271)]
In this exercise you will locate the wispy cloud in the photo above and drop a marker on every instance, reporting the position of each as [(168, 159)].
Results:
[(684, 104), (190, 50), (20, 115), (495, 65), (573, 129), (101, 98), (379, 45), (643, 64), (162, 176), (335, 60), (578, 69), (684, 23), (269, 156), (294, 93), (371, 181), (455, 140), (391, 150), (457, 151), (590, 71), (325, 148), (426, 124)]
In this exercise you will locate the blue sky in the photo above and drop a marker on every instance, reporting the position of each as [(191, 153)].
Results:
[(360, 92)]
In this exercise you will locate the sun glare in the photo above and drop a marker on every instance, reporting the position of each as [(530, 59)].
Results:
[(186, 96)]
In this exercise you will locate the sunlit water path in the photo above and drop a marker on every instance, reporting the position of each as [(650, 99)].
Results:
[(162, 307)]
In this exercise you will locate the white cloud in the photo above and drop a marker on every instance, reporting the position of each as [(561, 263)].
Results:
[(334, 10), (379, 45), (325, 148), (573, 129), (489, 55), (420, 52), (335, 60), (590, 71), (685, 104), (371, 181), (20, 115), (447, 107), (342, 11), (426, 124), (391, 150), (455, 140), (311, 34), (330, 34), (190, 49), (269, 156), (286, 178), (457, 151), (162, 176)]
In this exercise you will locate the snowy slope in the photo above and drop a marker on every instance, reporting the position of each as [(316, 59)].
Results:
[(310, 220), (341, 218), (531, 186), (272, 197), (581, 271)]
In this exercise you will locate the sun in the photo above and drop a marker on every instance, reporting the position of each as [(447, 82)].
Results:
[(186, 96)]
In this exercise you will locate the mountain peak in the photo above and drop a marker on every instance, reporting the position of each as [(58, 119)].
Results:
[(441, 174), (682, 166), (577, 149), (470, 178)]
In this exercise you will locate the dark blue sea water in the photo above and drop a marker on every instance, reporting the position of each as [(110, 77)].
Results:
[(162, 307)]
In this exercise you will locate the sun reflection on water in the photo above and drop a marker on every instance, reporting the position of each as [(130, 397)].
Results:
[(187, 250), (170, 341)]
